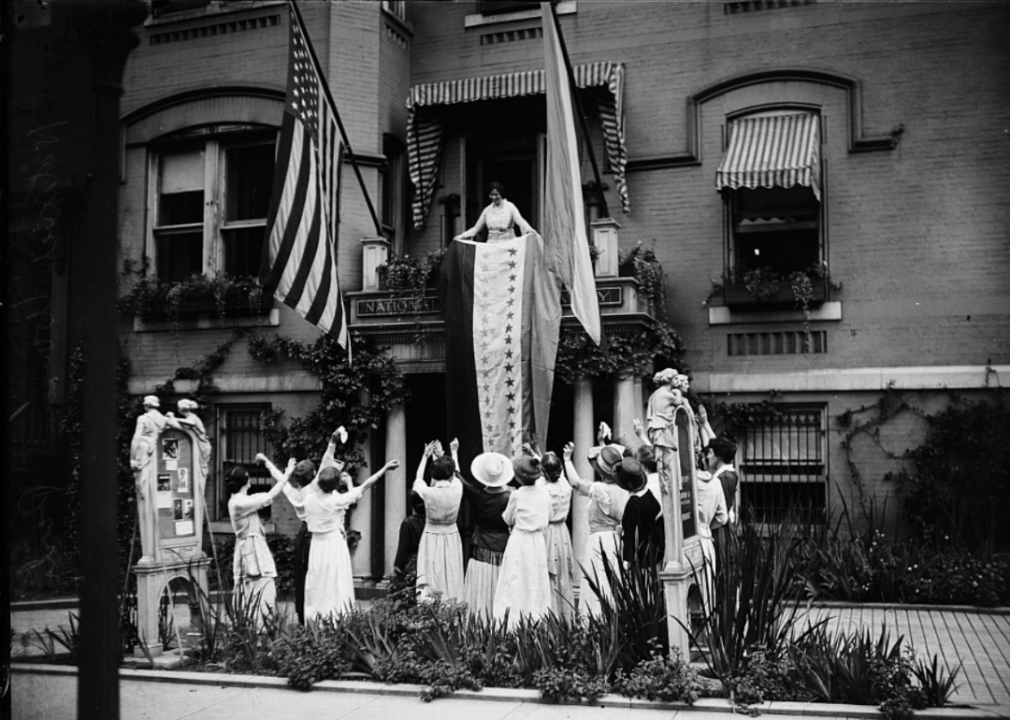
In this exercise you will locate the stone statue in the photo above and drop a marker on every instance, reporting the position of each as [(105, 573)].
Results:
[(192, 421), (150, 425)]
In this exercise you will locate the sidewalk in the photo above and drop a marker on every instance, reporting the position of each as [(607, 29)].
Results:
[(977, 637), (49, 693)]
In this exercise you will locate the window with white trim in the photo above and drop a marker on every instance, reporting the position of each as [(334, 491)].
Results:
[(782, 463), (210, 199)]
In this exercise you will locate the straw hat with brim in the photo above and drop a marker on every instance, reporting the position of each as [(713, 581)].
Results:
[(493, 469), (605, 462), (630, 475)]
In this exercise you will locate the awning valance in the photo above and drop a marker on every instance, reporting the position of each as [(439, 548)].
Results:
[(772, 151), (424, 129)]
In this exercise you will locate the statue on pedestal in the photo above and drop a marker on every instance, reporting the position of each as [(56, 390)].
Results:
[(150, 425)]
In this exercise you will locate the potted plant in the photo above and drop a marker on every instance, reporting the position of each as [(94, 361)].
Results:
[(765, 288), (642, 264), (220, 294)]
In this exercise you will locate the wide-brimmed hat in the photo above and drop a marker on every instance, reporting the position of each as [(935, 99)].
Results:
[(630, 475), (606, 459), (493, 469)]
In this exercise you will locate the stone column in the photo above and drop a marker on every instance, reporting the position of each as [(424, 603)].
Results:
[(584, 439), (625, 410), (361, 516), (396, 482)]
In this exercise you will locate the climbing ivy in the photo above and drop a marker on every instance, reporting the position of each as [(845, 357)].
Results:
[(372, 373), (632, 353)]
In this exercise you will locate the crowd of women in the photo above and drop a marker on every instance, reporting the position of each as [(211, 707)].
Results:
[(520, 561)]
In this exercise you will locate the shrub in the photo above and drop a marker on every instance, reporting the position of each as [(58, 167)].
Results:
[(859, 669), (667, 678)]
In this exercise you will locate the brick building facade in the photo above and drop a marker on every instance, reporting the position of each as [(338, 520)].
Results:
[(907, 227)]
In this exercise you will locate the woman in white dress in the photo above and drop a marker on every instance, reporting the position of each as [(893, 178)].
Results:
[(499, 218), (605, 511), (524, 585), (440, 554), (560, 558), (329, 583)]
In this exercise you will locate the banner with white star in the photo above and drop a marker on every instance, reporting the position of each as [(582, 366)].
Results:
[(502, 315)]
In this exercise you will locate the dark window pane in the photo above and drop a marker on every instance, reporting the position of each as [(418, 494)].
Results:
[(250, 172), (179, 256), (242, 250), (776, 228), (180, 208)]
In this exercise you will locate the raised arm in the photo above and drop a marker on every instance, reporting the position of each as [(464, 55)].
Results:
[(641, 433), (578, 484), (704, 427), (391, 465), (283, 481), (339, 435), (275, 472)]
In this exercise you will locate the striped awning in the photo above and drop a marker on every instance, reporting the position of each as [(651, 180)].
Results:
[(772, 151), (425, 122)]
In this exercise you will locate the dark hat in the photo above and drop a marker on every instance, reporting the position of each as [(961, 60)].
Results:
[(527, 469), (630, 475), (606, 460)]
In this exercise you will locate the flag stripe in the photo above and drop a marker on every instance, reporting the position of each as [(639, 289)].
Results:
[(300, 260)]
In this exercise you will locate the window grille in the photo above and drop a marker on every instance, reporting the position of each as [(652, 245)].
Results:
[(787, 342), (782, 465), (240, 437), (746, 6)]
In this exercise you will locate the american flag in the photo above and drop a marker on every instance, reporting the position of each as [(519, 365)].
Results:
[(299, 258)]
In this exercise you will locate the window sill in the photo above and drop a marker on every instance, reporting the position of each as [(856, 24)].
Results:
[(207, 322), (567, 7), (827, 312)]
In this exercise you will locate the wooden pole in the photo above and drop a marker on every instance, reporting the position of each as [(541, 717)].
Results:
[(105, 28)]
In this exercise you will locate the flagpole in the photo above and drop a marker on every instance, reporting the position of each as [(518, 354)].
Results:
[(336, 115), (578, 103)]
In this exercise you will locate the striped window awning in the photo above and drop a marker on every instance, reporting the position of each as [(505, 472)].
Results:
[(425, 121), (772, 151)]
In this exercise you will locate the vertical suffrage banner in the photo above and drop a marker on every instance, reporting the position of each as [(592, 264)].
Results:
[(502, 313)]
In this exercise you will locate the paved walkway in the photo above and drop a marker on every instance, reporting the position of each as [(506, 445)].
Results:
[(978, 639)]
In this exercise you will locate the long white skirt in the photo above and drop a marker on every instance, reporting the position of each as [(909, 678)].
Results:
[(440, 563), (561, 567), (329, 583), (479, 588), (524, 585), (600, 545)]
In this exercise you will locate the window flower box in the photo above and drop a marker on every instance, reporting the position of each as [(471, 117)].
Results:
[(737, 295)]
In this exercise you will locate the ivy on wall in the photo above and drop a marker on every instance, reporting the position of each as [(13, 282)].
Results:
[(372, 373), (626, 353)]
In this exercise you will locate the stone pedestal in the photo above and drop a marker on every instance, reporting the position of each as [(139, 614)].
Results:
[(375, 252), (605, 239), (680, 516), (152, 581)]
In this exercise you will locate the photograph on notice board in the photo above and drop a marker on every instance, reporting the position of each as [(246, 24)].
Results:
[(164, 482), (187, 509), (182, 486), (170, 448), (177, 510), (184, 527)]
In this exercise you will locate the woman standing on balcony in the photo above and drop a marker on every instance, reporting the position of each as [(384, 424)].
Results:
[(499, 218)]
